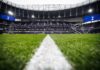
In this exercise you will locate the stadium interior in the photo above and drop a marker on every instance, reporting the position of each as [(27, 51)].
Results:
[(84, 18), (49, 34)]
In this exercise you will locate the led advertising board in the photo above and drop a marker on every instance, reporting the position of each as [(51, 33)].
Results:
[(7, 17)]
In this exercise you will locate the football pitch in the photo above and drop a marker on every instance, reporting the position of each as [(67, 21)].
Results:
[(17, 49), (82, 50)]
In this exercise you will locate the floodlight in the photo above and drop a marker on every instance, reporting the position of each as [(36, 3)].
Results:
[(90, 10), (10, 13), (33, 16)]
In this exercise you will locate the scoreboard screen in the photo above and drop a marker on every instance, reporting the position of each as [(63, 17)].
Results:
[(7, 17), (95, 17)]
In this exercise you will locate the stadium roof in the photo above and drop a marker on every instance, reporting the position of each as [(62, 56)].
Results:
[(31, 2), (47, 4)]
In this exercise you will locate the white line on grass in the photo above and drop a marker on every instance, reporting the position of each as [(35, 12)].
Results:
[(48, 57)]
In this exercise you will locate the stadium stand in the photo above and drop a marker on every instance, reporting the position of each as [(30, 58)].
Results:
[(19, 20)]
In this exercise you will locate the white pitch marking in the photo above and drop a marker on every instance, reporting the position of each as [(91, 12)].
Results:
[(48, 57)]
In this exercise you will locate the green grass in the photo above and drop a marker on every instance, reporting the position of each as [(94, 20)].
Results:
[(17, 49), (82, 50)]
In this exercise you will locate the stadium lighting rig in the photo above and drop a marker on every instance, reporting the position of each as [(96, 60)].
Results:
[(10, 13), (59, 16), (90, 10), (33, 16)]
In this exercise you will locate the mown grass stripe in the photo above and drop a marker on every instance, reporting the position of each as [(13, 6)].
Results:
[(83, 50), (17, 49)]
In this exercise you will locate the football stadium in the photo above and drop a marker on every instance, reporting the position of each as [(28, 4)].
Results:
[(49, 34)]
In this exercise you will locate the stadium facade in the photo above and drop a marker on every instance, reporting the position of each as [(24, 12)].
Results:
[(51, 18)]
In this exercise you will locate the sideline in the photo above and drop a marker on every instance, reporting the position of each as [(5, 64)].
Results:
[(48, 57)]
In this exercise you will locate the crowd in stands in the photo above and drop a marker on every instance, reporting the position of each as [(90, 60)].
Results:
[(52, 27), (44, 27)]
